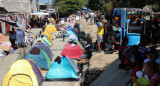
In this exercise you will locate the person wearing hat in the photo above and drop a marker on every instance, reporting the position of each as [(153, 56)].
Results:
[(100, 32)]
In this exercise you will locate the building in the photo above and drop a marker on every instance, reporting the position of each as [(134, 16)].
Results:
[(20, 6), (2, 9)]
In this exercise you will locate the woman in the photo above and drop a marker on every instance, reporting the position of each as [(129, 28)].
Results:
[(152, 72)]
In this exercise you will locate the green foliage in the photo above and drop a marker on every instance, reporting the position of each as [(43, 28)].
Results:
[(67, 7)]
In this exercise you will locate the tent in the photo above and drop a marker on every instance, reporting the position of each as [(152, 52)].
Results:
[(20, 36), (69, 32), (44, 47), (63, 68), (49, 40), (72, 52), (70, 28), (75, 41), (48, 34), (23, 73), (73, 36), (51, 28), (40, 39), (39, 57)]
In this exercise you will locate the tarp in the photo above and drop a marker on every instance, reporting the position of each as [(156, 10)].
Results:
[(20, 36), (39, 14), (73, 36), (51, 29), (62, 68), (42, 60), (72, 52), (23, 73), (45, 48)]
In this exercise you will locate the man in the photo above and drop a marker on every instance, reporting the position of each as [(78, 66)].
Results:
[(64, 32), (100, 32)]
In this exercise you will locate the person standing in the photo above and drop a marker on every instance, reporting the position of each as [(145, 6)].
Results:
[(12, 37), (64, 32), (100, 32)]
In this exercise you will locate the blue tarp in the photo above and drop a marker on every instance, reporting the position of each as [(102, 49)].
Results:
[(66, 69), (20, 36)]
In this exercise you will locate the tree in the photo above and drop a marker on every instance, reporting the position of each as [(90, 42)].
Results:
[(67, 7)]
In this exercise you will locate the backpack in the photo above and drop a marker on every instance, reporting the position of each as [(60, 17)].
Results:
[(2, 53)]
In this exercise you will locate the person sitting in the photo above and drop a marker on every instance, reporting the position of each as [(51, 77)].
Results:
[(115, 44), (85, 57), (151, 70)]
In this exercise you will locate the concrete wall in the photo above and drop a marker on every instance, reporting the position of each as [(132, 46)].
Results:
[(20, 6)]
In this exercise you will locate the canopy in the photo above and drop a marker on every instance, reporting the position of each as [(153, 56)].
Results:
[(84, 8), (40, 14)]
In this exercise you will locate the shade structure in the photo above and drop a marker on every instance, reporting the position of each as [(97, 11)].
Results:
[(44, 47), (70, 28), (73, 36), (63, 68), (75, 41), (23, 73), (41, 59), (48, 34), (51, 29), (72, 52)]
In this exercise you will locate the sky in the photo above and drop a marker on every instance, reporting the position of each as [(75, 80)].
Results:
[(45, 1)]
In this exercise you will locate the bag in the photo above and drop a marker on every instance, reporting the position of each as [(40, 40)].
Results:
[(2, 53), (142, 81)]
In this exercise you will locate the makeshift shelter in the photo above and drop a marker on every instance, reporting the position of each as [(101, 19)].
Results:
[(73, 36), (23, 73), (48, 34), (76, 42), (40, 39), (63, 68), (51, 28), (72, 51), (44, 47), (20, 36), (70, 28), (39, 57)]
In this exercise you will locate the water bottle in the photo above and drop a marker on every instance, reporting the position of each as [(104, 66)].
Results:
[(11, 50)]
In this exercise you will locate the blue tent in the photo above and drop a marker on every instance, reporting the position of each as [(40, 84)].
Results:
[(39, 57), (70, 28), (45, 48), (63, 68)]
